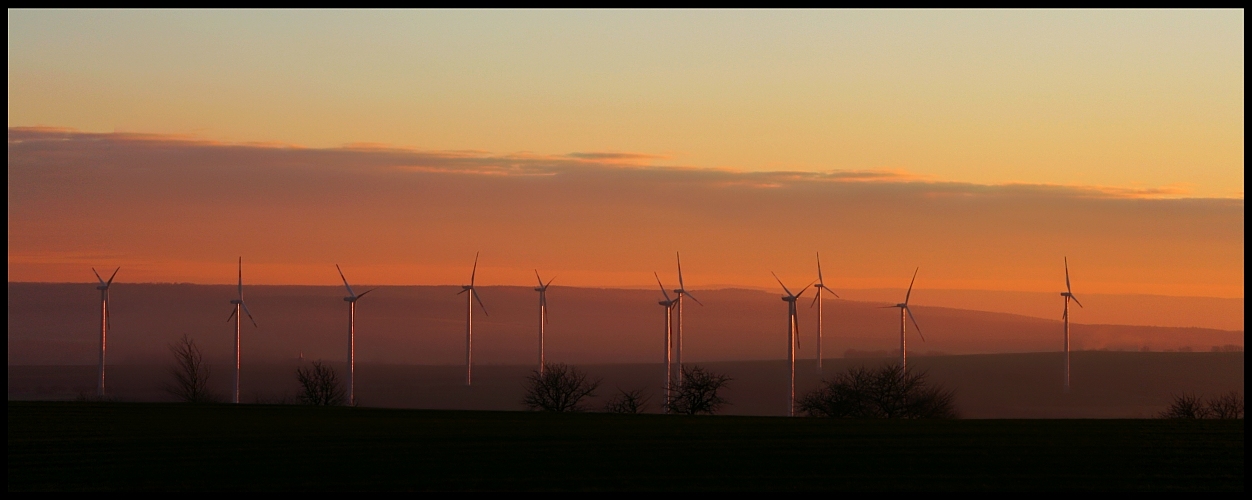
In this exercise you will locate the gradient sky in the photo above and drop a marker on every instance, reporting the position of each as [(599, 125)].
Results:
[(980, 145), (1110, 98)]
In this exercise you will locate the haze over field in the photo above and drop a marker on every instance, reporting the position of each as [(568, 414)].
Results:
[(59, 324)]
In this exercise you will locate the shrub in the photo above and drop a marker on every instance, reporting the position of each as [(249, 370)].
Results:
[(887, 392), (319, 385), (698, 392), (627, 402), (560, 388)]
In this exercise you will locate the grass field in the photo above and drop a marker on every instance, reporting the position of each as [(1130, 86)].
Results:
[(153, 446)]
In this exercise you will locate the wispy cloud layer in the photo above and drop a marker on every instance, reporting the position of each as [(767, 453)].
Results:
[(596, 217)]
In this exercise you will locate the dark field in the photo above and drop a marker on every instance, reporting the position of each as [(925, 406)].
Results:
[(153, 446)]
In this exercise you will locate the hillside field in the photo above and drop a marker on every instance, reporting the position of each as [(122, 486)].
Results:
[(153, 446)]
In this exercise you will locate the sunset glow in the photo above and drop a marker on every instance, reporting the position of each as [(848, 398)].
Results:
[(981, 146)]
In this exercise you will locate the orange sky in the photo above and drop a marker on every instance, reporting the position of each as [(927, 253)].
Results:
[(170, 209)]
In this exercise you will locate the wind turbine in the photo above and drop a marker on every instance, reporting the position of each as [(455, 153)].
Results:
[(821, 285), (904, 310), (793, 341), (669, 335), (543, 313), (1068, 294), (238, 317), (104, 323), (351, 300), (469, 321), (681, 291)]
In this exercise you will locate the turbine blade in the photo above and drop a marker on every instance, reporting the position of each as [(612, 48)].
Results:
[(1076, 300), (245, 309), (113, 276), (463, 290), (919, 329), (538, 278), (93, 270), (910, 292), (795, 321), (345, 281), (693, 297), (789, 294), (108, 311), (232, 314), (1067, 288), (819, 269), (474, 272), (545, 286), (365, 292), (545, 313), (480, 301), (815, 297), (806, 288), (658, 283), (680, 271)]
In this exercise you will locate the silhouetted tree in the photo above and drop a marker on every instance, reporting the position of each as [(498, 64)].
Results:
[(1192, 407), (560, 388), (319, 385), (627, 402), (1187, 407), (698, 392), (886, 392), (191, 375), (1227, 406)]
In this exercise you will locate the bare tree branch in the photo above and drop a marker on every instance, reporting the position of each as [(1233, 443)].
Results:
[(887, 392), (698, 392), (191, 375), (319, 385), (627, 402), (560, 388)]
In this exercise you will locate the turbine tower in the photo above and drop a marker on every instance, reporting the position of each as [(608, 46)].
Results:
[(104, 323), (1068, 294), (793, 341), (543, 313), (669, 336), (904, 310), (351, 300), (238, 317), (681, 291), (821, 285), (469, 321)]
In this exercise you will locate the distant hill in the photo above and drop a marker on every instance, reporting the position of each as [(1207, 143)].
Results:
[(57, 323)]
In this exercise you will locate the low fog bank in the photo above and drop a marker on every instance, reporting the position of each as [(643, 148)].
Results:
[(58, 324)]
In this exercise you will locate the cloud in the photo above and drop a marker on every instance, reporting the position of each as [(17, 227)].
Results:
[(595, 215)]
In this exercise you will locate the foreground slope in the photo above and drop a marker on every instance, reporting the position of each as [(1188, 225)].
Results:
[(75, 446)]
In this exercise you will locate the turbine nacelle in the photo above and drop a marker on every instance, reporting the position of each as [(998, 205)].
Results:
[(236, 301)]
